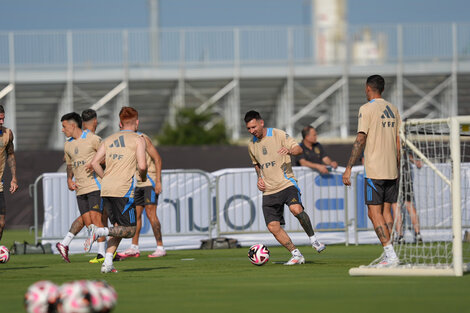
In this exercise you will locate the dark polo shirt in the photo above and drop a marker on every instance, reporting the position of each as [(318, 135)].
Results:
[(314, 155)]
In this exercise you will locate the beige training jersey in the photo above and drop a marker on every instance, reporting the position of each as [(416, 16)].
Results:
[(121, 163), (79, 152), (151, 170), (276, 169), (380, 121), (5, 136)]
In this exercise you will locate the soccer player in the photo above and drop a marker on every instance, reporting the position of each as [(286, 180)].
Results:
[(146, 195), (313, 154), (270, 150), (377, 131), (7, 153), (79, 149), (408, 194), (123, 152)]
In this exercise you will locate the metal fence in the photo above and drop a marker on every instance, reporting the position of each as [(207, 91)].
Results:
[(197, 203), (212, 47), (184, 206)]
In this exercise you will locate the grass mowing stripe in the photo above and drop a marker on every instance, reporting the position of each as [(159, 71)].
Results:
[(225, 281)]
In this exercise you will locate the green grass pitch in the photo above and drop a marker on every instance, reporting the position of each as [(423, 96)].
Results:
[(225, 281)]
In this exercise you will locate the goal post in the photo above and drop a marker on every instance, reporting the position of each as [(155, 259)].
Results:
[(431, 232)]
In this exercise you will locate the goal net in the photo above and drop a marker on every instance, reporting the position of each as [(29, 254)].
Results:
[(431, 233)]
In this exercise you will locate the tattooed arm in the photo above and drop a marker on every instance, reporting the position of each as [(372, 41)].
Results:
[(260, 184), (70, 183), (358, 147), (11, 161)]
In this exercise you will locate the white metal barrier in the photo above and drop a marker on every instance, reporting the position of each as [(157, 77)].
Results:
[(239, 202), (184, 206), (197, 205)]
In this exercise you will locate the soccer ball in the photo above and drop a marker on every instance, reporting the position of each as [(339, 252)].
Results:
[(103, 297), (258, 254), (41, 297), (4, 254), (74, 297)]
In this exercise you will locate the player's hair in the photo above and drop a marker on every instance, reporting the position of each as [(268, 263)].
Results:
[(88, 115), (376, 82), (252, 115), (74, 117), (2, 109), (306, 130), (128, 113)]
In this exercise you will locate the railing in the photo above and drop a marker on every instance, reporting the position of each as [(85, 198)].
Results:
[(196, 203), (184, 207), (209, 47)]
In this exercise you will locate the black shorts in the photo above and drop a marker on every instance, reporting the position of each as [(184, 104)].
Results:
[(121, 210), (378, 191), (3, 208), (273, 205), (145, 195), (90, 202)]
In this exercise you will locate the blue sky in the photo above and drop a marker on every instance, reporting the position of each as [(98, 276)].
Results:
[(97, 14)]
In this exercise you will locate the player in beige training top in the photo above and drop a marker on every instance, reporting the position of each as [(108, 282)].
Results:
[(7, 154), (270, 150), (123, 152), (146, 195), (79, 149), (377, 130)]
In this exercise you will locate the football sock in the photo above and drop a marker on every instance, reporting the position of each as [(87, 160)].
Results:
[(134, 247), (102, 231), (68, 238), (389, 251), (313, 239), (305, 222), (108, 259), (296, 252), (101, 247), (160, 248)]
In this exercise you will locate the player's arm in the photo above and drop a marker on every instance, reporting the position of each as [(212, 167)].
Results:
[(70, 183), (356, 153), (97, 159), (11, 161), (289, 146), (140, 156), (152, 151), (398, 150), (68, 163), (261, 185)]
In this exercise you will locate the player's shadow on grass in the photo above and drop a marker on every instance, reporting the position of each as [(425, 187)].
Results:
[(145, 269), (22, 268)]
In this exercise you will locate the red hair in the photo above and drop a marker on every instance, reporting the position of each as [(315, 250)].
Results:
[(128, 114)]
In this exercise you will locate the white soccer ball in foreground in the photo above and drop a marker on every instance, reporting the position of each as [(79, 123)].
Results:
[(41, 297), (4, 254), (258, 254)]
